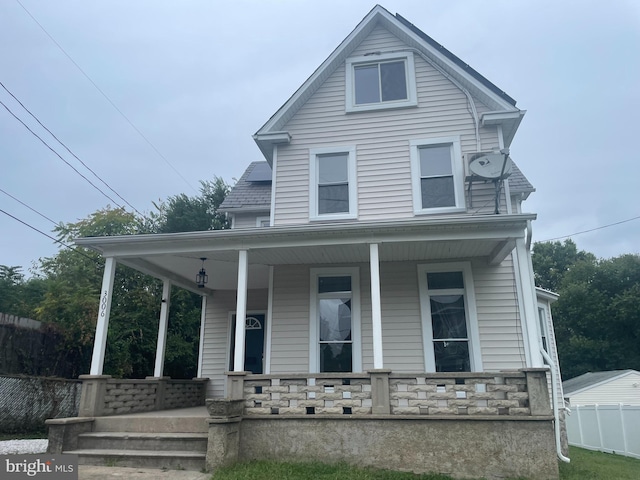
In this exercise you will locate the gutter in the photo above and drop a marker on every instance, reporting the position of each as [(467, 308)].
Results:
[(556, 414)]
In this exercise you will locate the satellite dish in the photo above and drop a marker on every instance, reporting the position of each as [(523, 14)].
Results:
[(491, 165)]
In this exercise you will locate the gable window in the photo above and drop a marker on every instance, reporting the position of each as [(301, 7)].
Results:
[(437, 175), (335, 321), (448, 317), (332, 192), (380, 81)]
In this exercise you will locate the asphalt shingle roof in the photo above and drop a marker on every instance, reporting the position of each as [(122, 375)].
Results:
[(518, 182), (249, 196), (590, 378)]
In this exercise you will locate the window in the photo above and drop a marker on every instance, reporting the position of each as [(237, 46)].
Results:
[(332, 193), (263, 221), (380, 81), (544, 336), (437, 174), (448, 317), (335, 321)]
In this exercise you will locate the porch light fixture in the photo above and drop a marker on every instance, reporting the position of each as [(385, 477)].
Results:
[(202, 278)]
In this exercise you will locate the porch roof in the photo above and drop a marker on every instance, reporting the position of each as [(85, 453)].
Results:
[(176, 256)]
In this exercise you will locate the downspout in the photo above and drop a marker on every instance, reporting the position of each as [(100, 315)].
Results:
[(556, 414)]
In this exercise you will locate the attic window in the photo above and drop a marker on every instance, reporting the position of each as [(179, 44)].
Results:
[(380, 81)]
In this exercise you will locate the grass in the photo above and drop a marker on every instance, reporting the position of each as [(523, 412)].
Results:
[(585, 465), (589, 465)]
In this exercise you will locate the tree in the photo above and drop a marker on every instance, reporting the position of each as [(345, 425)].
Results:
[(182, 213), (597, 317), (552, 260)]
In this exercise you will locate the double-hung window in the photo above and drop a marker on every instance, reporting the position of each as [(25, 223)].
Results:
[(380, 81), (437, 175), (449, 320), (335, 321), (332, 192)]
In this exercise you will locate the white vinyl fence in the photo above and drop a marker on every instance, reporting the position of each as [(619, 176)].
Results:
[(608, 428)]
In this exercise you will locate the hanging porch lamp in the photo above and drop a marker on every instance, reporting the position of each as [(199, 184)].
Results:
[(202, 278)]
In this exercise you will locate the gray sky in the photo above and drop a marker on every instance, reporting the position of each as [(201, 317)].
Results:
[(198, 78)]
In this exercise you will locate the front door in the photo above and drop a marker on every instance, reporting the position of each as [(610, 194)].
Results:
[(253, 342)]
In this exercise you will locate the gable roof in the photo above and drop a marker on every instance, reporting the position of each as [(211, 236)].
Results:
[(503, 106), (591, 379), (249, 194)]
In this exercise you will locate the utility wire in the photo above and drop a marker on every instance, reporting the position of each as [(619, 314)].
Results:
[(49, 236), (30, 208), (57, 154), (107, 98), (592, 229), (69, 150)]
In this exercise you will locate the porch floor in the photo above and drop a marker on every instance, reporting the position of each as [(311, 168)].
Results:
[(175, 412)]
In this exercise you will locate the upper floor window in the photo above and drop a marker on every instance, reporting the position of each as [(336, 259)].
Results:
[(332, 192), (437, 175), (380, 81)]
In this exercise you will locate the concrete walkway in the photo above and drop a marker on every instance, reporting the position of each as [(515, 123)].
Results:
[(89, 472)]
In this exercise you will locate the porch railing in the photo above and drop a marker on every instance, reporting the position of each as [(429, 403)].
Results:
[(103, 395), (506, 393)]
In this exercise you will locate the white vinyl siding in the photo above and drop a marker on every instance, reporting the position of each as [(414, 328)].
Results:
[(217, 335), (552, 348), (618, 390), (499, 325), (247, 220), (381, 138), (401, 328), (290, 320)]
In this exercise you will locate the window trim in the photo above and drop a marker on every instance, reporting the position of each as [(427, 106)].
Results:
[(265, 218), (314, 324), (314, 153), (410, 75), (456, 169), (543, 327), (475, 354)]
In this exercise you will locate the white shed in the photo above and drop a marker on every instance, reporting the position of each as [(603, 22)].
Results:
[(611, 387)]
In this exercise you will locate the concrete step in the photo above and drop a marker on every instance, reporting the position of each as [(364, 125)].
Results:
[(168, 459), (151, 424), (192, 442)]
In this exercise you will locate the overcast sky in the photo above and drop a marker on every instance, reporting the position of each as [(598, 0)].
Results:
[(198, 78)]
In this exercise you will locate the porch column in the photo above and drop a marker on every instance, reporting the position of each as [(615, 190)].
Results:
[(162, 328), (203, 313), (102, 326), (530, 314), (241, 310), (376, 308)]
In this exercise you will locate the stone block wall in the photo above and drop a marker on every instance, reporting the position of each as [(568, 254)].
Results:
[(183, 394), (129, 396)]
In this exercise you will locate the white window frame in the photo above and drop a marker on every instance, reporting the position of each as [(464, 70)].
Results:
[(314, 153), (410, 75), (314, 324), (543, 326), (475, 355), (456, 169), (260, 220)]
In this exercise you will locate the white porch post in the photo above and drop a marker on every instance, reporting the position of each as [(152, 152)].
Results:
[(102, 326), (530, 314), (162, 328), (241, 310), (376, 308), (203, 313)]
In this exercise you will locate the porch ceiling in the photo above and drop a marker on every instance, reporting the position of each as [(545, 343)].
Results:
[(177, 256)]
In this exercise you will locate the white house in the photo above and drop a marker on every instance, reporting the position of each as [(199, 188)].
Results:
[(380, 256), (604, 388)]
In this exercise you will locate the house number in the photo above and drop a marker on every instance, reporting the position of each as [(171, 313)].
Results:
[(103, 303)]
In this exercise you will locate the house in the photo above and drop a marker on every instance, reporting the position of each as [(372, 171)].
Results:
[(603, 388), (380, 259)]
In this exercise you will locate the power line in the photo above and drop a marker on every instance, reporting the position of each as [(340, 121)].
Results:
[(49, 236), (30, 208), (107, 98), (592, 229), (57, 154), (69, 150)]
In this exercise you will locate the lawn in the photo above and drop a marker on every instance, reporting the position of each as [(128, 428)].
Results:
[(585, 465)]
